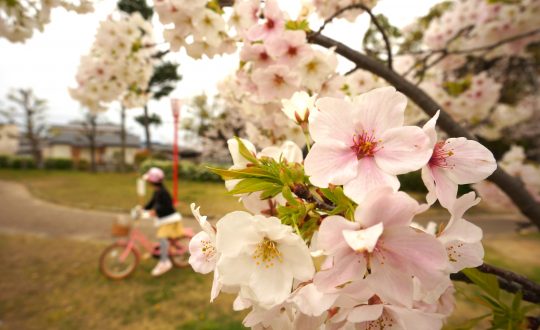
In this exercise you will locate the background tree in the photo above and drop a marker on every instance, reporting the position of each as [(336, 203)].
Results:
[(89, 131), (29, 111), (212, 122)]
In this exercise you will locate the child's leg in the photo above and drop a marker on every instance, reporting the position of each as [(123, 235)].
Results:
[(163, 249)]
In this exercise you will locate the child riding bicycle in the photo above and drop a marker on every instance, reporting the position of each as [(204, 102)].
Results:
[(166, 218)]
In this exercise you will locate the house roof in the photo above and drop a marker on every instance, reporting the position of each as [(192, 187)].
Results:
[(74, 135)]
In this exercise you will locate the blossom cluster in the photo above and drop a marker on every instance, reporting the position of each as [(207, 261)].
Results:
[(360, 262), (449, 61), (196, 26), (19, 19), (479, 23), (119, 64)]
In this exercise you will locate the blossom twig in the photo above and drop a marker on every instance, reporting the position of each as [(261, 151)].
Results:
[(373, 19), (508, 281)]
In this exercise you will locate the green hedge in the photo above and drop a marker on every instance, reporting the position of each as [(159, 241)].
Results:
[(58, 164), (22, 163), (187, 170), (4, 161)]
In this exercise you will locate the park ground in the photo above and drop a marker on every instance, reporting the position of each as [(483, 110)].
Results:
[(48, 257)]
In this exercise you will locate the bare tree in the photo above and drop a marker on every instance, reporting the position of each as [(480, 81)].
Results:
[(90, 132), (32, 110), (123, 139)]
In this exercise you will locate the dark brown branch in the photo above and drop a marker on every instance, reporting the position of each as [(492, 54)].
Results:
[(513, 187), (479, 48), (373, 19), (508, 281), (303, 192)]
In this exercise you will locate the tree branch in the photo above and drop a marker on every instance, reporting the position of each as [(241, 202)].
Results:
[(373, 19), (508, 281), (513, 187)]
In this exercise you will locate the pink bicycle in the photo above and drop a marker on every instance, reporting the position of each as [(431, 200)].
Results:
[(120, 259)]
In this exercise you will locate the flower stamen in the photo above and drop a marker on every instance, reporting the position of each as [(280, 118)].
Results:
[(266, 252), (364, 145), (440, 156)]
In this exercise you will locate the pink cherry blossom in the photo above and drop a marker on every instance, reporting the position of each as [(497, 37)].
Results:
[(360, 308), (273, 23), (275, 82), (203, 252), (461, 238), (363, 145), (453, 162), (380, 248), (257, 54), (289, 47)]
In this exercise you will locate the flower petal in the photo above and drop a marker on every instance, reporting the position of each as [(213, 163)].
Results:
[(330, 236), (365, 239), (381, 109), (414, 319), (200, 259), (270, 285), (471, 162), (369, 178), (386, 206), (422, 254), (335, 164), (235, 233), (429, 182), (445, 188), (404, 149), (334, 121), (365, 313), (298, 260)]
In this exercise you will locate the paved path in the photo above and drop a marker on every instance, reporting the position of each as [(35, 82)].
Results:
[(20, 212)]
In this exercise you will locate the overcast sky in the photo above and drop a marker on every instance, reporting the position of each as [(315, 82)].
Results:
[(47, 62)]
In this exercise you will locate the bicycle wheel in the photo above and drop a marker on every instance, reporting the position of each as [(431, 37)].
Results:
[(112, 267), (179, 252)]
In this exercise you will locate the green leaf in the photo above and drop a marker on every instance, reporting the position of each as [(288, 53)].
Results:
[(250, 185), (297, 25), (472, 323), (487, 282), (245, 152)]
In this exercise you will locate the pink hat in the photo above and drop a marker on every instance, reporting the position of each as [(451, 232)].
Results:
[(154, 175)]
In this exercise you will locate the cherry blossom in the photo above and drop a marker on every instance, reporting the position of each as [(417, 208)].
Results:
[(275, 82), (299, 107), (380, 248), (461, 238), (261, 256), (363, 145), (453, 162)]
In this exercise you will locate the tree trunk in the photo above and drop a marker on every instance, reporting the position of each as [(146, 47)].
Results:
[(147, 129), (123, 139), (30, 131), (92, 136)]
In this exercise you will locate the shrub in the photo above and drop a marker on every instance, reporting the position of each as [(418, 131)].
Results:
[(58, 163), (22, 163), (83, 165), (4, 161)]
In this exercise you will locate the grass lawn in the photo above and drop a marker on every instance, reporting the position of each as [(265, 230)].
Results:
[(116, 191), (55, 284)]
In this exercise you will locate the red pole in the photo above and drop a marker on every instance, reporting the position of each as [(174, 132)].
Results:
[(175, 104)]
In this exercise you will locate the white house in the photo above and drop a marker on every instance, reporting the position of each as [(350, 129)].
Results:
[(9, 139), (71, 141)]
